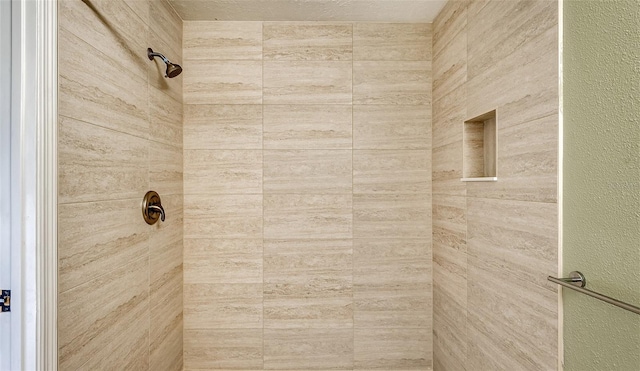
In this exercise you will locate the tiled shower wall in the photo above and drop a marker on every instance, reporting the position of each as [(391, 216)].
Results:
[(495, 243), (307, 179), (120, 134)]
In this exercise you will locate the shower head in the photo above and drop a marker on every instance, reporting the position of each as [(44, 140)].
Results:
[(173, 69)]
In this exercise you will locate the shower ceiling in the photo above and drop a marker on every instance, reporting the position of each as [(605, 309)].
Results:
[(309, 10)]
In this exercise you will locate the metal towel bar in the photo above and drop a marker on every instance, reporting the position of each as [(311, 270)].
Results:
[(577, 281)]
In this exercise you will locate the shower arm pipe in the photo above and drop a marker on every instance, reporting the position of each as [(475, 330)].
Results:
[(155, 54), (577, 282)]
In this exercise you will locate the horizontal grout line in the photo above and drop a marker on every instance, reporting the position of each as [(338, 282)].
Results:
[(101, 200), (305, 104), (310, 104), (512, 200), (104, 127), (308, 22), (122, 132), (120, 267), (310, 194), (307, 328), (305, 149), (311, 239), (329, 61)]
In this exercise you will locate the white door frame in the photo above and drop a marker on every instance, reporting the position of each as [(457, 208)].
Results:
[(5, 178), (34, 181)]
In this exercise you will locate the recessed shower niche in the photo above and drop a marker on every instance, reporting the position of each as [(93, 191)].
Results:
[(479, 141)]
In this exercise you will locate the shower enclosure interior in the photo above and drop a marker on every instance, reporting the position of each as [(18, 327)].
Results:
[(310, 175)]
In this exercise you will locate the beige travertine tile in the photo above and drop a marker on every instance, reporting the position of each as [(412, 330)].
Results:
[(514, 238), (499, 312), (392, 349), (392, 41), (307, 216), (166, 271), (223, 171), (167, 351), (307, 126), (449, 282), (165, 118), (392, 283), (99, 321), (207, 349), (139, 7), (449, 331), (530, 98), (295, 258), (165, 169), (451, 21), (505, 27), (116, 31), (167, 25), (528, 163), (447, 169), (223, 216), (450, 67), (389, 216), (222, 82), (307, 41), (309, 312), (222, 305), (97, 237), (449, 113), (307, 82), (100, 90), (98, 164), (222, 126), (487, 355), (450, 247), (391, 127), (234, 261), (387, 82), (449, 51), (308, 284), (480, 311), (450, 271), (222, 40), (308, 349), (165, 346), (391, 171), (450, 221), (308, 171)]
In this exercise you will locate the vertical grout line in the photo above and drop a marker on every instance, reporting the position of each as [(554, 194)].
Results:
[(148, 34), (353, 304), (466, 208), (262, 155)]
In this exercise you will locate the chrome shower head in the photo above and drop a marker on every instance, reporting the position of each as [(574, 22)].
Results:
[(173, 69)]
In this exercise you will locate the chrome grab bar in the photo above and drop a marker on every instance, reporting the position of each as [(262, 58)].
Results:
[(576, 281)]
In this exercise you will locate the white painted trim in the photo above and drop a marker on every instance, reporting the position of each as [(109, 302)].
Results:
[(34, 184), (6, 221), (47, 184), (23, 303)]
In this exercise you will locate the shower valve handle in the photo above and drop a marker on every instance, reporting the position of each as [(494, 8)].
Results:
[(157, 209)]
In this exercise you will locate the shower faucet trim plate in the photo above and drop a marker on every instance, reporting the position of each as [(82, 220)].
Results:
[(152, 209)]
